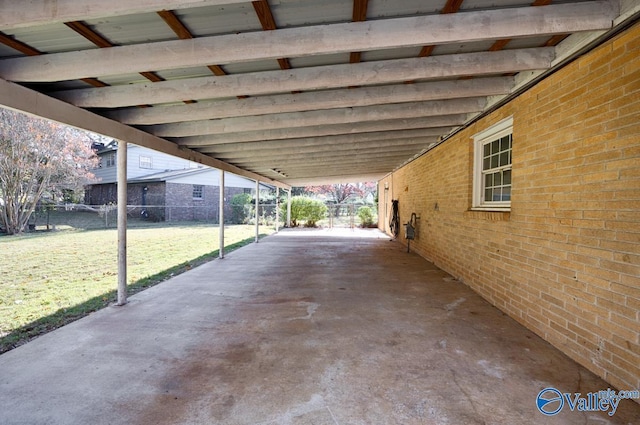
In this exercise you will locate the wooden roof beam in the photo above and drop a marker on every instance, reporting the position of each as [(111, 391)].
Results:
[(320, 118), (373, 138), (439, 122), (26, 100), (322, 77), (326, 99), (20, 14), (315, 40)]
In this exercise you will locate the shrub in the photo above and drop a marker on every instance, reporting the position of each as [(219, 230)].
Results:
[(366, 216), (305, 209), (316, 211), (241, 207)]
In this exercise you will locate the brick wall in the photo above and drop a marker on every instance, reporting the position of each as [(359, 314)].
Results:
[(100, 194), (182, 207), (565, 261)]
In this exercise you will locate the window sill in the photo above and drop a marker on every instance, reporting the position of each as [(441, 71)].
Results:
[(492, 214), (492, 208)]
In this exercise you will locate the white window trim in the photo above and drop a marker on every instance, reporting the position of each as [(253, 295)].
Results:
[(201, 192), (500, 129), (110, 159), (145, 159)]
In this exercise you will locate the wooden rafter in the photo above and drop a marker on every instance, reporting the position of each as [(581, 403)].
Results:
[(85, 31), (18, 45), (175, 24), (94, 82), (501, 44), (31, 51), (184, 34), (359, 15), (263, 10), (452, 6), (553, 41), (97, 39), (360, 10), (217, 70), (426, 51)]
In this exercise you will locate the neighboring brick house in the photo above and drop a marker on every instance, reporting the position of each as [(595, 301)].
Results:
[(536, 206), (162, 187)]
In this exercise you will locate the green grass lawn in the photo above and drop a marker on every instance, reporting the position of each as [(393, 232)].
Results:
[(48, 279)]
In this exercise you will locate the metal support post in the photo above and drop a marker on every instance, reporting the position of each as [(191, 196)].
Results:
[(277, 208), (122, 222), (289, 208), (257, 212), (221, 216)]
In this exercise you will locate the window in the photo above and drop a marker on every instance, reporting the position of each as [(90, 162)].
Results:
[(146, 162), (198, 191), (492, 167), (110, 159)]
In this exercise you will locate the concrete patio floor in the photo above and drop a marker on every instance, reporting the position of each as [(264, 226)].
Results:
[(305, 327)]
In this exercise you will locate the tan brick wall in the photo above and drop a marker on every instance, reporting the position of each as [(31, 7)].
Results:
[(565, 262)]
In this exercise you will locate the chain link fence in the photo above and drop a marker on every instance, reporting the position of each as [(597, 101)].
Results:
[(88, 217), (80, 216), (338, 215)]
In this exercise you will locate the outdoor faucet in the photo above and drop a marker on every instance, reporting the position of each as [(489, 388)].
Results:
[(410, 230)]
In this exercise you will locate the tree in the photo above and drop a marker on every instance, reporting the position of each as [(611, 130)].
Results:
[(37, 158), (338, 193)]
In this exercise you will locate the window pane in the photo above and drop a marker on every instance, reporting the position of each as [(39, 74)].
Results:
[(198, 191), (506, 177), (504, 143), (493, 180), (506, 193), (504, 159), (494, 161)]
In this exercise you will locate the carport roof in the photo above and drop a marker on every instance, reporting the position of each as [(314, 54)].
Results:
[(288, 92)]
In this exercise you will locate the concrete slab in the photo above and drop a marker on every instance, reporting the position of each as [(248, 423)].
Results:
[(304, 327)]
